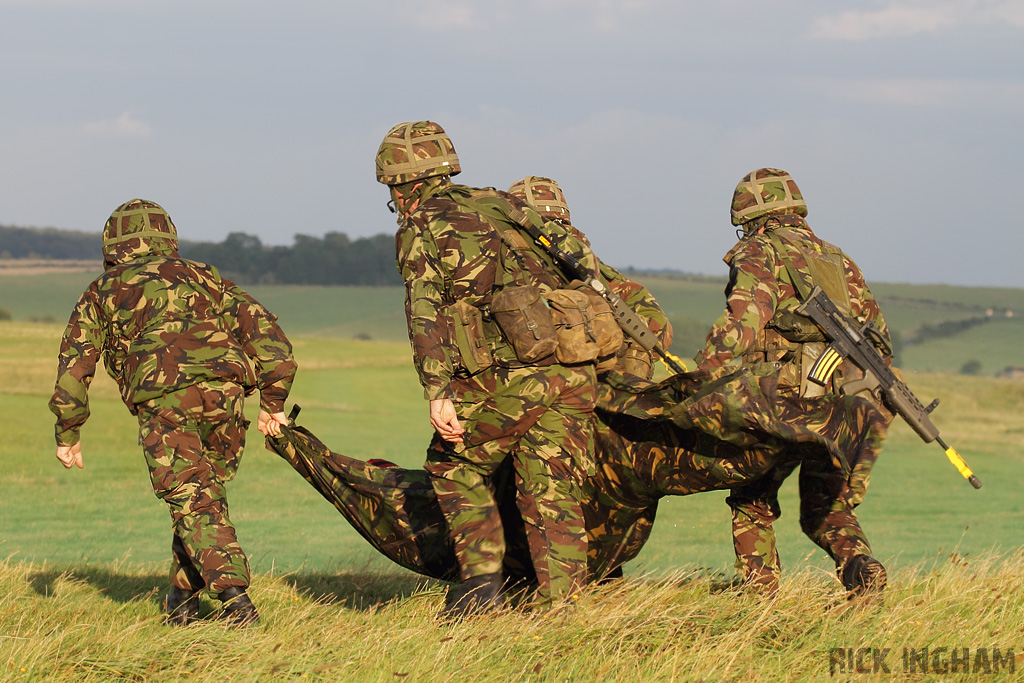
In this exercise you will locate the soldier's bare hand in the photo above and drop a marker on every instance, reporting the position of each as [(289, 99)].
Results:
[(270, 423), (70, 456), (444, 419)]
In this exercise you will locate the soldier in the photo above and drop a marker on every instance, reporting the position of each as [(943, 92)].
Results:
[(495, 392), (773, 267), (544, 195), (181, 342)]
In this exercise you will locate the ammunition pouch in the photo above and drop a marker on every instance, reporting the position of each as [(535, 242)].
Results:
[(573, 319), (610, 338), (471, 337), (771, 347), (584, 326), (525, 320), (796, 328), (803, 342)]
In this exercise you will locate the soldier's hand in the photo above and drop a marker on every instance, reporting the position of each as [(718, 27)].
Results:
[(70, 456), (270, 423), (444, 419)]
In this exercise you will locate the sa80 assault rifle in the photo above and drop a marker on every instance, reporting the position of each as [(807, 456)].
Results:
[(859, 347)]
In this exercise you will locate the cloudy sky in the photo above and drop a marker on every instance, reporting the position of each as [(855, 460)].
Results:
[(899, 119)]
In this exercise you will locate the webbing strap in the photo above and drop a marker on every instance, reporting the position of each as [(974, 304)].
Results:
[(147, 230), (415, 164), (797, 277)]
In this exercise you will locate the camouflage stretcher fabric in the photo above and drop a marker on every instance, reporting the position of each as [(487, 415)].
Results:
[(684, 435)]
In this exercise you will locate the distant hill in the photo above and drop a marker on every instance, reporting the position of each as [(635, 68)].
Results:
[(48, 243), (936, 328), (333, 259)]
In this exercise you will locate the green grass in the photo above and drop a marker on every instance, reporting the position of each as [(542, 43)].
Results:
[(47, 295), (338, 312), (995, 345), (951, 297)]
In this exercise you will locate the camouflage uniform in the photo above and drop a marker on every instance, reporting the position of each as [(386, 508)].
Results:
[(180, 341), (705, 430), (693, 432), (457, 246), (776, 260)]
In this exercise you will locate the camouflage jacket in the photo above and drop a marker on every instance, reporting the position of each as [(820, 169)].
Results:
[(448, 252), (760, 286), (163, 323)]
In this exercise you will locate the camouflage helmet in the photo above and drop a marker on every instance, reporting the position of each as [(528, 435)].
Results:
[(414, 151), (543, 194), (140, 219), (766, 192)]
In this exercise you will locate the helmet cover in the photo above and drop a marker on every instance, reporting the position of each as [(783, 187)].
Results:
[(138, 219), (766, 192), (543, 194), (414, 151)]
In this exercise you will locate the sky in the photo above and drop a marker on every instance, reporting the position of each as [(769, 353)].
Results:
[(900, 120)]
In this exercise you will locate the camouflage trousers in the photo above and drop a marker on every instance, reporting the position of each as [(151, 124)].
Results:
[(541, 418), (192, 440), (828, 498)]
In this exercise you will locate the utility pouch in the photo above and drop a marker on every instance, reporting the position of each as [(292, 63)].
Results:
[(771, 347), (634, 360), (796, 328), (606, 328), (573, 316), (470, 337), (526, 322)]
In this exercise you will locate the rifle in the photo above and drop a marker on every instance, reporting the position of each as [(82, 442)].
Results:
[(625, 316), (861, 347)]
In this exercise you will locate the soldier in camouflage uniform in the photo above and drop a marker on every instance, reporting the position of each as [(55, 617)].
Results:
[(773, 268), (693, 432), (544, 195), (181, 343), (456, 247)]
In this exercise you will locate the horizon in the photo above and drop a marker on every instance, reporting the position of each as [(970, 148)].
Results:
[(723, 276), (898, 119)]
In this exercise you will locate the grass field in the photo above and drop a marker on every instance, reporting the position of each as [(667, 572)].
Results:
[(85, 551)]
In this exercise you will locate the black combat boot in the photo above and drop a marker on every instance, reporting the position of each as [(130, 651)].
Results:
[(181, 607), (476, 595), (864, 576), (238, 608)]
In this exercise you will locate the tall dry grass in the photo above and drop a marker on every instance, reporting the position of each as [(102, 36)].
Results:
[(103, 623)]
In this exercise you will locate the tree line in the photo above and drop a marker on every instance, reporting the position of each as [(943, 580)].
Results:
[(333, 259), (48, 243)]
